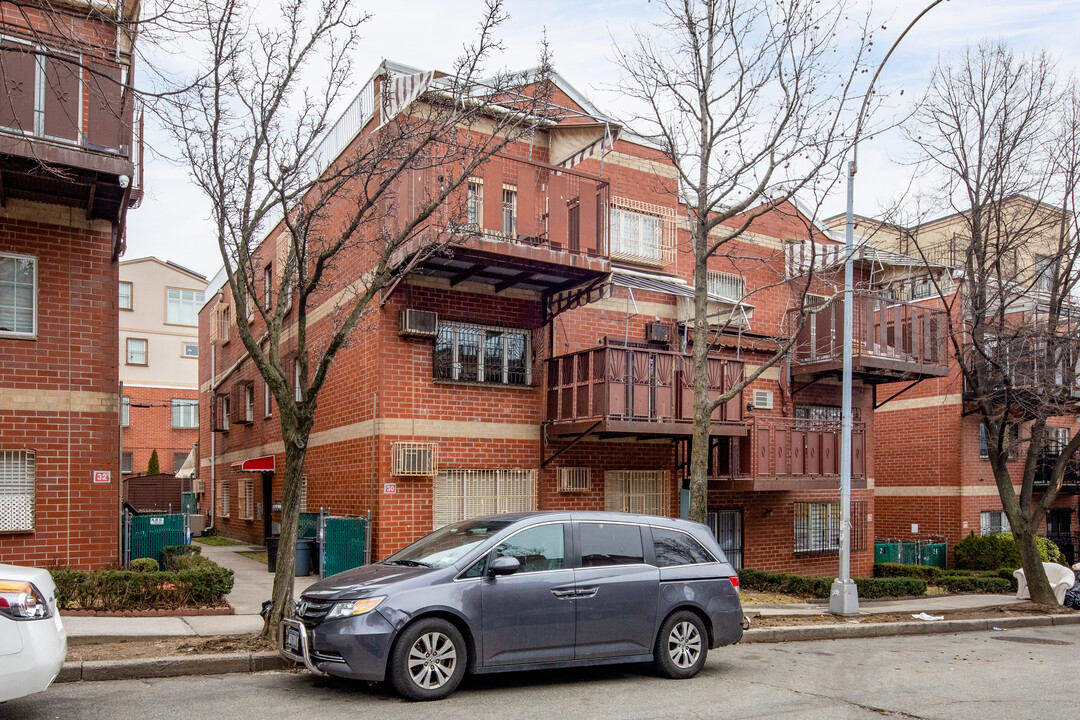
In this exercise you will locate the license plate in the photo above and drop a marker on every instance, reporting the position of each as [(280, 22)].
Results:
[(292, 639)]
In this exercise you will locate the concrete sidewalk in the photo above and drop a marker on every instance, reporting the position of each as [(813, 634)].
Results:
[(252, 585), (933, 605)]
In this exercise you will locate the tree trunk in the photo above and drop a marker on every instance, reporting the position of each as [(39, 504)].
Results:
[(285, 570), (1038, 584), (699, 439)]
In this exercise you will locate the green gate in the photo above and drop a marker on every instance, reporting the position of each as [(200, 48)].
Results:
[(148, 535), (344, 544)]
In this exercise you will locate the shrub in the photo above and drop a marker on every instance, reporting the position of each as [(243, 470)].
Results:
[(959, 583), (154, 466), (144, 565), (879, 587), (207, 584), (991, 552), (173, 555), (927, 573), (820, 587)]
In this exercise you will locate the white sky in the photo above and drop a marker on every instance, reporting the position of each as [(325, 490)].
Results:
[(172, 222)]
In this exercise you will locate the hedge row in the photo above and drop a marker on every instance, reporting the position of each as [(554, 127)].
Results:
[(952, 580), (820, 587), (990, 552), (959, 584), (928, 573), (204, 584)]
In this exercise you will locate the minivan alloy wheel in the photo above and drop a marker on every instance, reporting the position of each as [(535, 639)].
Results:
[(432, 660), (681, 646), (684, 644), (428, 660)]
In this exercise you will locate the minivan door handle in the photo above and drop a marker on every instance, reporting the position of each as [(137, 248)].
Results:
[(587, 592), (564, 594)]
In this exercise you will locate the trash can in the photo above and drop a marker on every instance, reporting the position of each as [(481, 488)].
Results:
[(271, 553), (303, 556), (316, 547)]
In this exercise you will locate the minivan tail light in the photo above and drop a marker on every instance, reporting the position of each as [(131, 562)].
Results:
[(734, 581)]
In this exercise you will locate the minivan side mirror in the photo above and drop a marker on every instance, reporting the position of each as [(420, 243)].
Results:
[(504, 565)]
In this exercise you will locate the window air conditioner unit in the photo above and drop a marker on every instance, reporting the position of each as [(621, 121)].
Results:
[(414, 459), (763, 399), (198, 486), (573, 479), (418, 323), (658, 332)]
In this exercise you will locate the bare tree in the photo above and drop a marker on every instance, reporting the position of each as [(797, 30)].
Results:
[(250, 129), (1003, 137), (751, 103)]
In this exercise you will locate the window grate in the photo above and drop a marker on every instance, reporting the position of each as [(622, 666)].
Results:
[(642, 232), (727, 286), (248, 500), (726, 526), (466, 493), (414, 459), (483, 354), (637, 491), (18, 483), (574, 479), (223, 499), (817, 527)]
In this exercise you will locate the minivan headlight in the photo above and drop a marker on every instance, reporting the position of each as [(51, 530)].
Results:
[(348, 608), (22, 601)]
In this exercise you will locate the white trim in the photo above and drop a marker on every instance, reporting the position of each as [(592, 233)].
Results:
[(14, 334)]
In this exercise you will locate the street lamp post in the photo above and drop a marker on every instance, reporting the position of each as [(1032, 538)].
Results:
[(844, 597)]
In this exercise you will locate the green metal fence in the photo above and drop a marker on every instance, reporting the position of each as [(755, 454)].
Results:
[(146, 536), (911, 552), (343, 544), (308, 526)]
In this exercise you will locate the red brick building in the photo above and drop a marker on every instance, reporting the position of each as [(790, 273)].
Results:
[(68, 177), (544, 364)]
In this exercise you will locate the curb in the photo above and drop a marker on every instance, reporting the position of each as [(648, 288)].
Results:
[(97, 670)]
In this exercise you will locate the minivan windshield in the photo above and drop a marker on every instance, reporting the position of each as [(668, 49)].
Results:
[(448, 544)]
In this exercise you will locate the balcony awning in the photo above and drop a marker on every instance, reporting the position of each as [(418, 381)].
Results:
[(259, 464), (654, 283), (187, 470)]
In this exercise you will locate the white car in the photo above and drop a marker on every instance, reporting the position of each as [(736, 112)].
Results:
[(33, 642)]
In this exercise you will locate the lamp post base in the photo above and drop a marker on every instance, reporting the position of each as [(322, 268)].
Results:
[(844, 598)]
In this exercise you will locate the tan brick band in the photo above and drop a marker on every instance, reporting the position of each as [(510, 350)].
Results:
[(987, 489), (57, 401)]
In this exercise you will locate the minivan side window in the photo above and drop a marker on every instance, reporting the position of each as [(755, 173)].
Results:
[(678, 548), (610, 544), (537, 548)]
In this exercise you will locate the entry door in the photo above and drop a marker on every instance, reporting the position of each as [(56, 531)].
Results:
[(616, 593), (728, 530), (528, 617)]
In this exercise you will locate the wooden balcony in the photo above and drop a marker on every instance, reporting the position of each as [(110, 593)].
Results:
[(631, 391), (781, 454), (68, 133), (891, 341)]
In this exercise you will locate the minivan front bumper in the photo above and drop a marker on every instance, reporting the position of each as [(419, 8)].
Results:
[(356, 647)]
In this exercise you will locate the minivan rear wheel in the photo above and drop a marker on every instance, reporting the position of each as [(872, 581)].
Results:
[(681, 646), (428, 660)]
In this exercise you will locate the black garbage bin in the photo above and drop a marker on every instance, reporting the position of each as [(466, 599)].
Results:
[(303, 556), (271, 553)]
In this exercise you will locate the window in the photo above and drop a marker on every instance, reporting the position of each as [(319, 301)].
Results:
[(509, 212), (185, 413), (463, 494), (125, 296), (268, 401), (1045, 272), (221, 323), (476, 203), (537, 548), (610, 544), (249, 402), (182, 306), (677, 548), (728, 286), (478, 353), (127, 463), (125, 411), (18, 295), (268, 286), (17, 488), (298, 393), (817, 527), (189, 350), (1012, 441), (992, 522), (1056, 440), (637, 491), (246, 499), (636, 235), (224, 500), (137, 351), (178, 460), (727, 528), (303, 493)]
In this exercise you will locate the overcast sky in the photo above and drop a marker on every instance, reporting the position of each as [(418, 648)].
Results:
[(172, 222)]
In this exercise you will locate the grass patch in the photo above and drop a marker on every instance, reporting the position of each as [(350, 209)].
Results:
[(217, 541), (260, 556)]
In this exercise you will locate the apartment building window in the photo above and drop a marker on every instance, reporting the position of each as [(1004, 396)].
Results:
[(1056, 440), (992, 522), (832, 413), (728, 286), (637, 491), (727, 527), (18, 483), (303, 494), (1045, 272), (125, 296), (268, 286), (475, 203), (1012, 440), (268, 401), (462, 494), (817, 527), (483, 354), (221, 323), (125, 411), (178, 460), (249, 402), (189, 350), (298, 393), (246, 499), (509, 211), (185, 413), (18, 295), (636, 235), (182, 306), (137, 353), (127, 463), (224, 500)]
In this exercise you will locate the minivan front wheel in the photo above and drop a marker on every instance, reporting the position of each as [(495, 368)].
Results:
[(681, 646), (428, 660)]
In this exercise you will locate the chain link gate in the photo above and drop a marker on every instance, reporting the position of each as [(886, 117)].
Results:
[(146, 536), (344, 543)]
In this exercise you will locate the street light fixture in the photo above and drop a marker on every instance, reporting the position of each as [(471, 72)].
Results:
[(844, 597)]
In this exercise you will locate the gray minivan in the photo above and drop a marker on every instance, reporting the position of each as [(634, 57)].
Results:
[(522, 592)]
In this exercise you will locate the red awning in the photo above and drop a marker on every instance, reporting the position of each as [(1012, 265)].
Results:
[(259, 464)]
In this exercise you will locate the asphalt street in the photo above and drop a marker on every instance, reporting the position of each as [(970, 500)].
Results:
[(1014, 674)]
